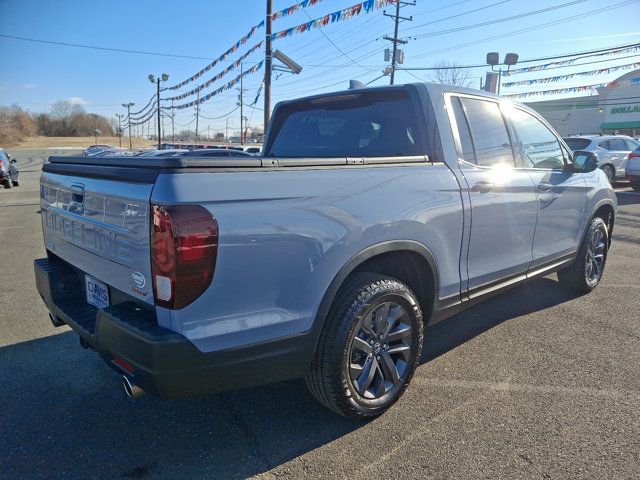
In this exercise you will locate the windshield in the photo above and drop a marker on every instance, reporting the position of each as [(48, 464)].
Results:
[(577, 143), (377, 124)]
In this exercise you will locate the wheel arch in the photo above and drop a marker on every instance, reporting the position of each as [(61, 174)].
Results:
[(409, 261), (607, 212)]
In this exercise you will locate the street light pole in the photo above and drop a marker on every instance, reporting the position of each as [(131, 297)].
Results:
[(158, 109), (128, 107)]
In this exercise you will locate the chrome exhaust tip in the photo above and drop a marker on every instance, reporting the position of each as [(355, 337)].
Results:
[(55, 321), (132, 391)]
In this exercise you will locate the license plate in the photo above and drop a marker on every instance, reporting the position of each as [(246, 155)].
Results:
[(97, 292)]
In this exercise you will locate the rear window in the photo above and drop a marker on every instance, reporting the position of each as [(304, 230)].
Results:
[(577, 143), (377, 124)]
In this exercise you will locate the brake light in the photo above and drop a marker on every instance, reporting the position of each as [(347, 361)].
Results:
[(635, 154), (184, 247)]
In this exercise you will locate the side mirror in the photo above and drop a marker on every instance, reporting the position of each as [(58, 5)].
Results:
[(13, 160), (585, 162)]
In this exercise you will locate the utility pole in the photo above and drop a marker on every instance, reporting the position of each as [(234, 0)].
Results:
[(119, 129), (267, 66), (226, 131), (198, 112), (96, 130), (128, 107), (241, 111), (173, 124), (395, 40)]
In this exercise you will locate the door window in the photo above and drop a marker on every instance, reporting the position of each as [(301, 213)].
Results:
[(539, 147), (488, 132)]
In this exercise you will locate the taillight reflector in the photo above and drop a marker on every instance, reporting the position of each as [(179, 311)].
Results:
[(184, 247)]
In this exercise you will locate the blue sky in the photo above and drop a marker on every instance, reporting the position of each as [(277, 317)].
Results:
[(36, 75)]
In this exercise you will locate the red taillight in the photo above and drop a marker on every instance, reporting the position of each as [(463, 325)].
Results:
[(635, 154), (184, 246)]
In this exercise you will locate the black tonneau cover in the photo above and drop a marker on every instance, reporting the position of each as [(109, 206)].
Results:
[(146, 170)]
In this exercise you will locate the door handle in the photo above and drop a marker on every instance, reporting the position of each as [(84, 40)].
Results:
[(482, 187), (544, 187)]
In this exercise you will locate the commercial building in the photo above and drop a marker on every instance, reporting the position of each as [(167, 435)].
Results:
[(616, 109)]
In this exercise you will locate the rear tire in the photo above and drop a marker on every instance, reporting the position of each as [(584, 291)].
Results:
[(586, 271), (609, 172), (369, 347), (7, 184)]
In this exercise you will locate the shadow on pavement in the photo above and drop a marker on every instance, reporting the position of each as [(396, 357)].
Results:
[(64, 414)]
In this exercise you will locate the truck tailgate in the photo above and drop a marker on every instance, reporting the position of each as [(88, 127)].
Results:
[(100, 226)]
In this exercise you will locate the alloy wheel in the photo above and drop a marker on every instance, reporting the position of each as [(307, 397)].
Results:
[(595, 257), (380, 351)]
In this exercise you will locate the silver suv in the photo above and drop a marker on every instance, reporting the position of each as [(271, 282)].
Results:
[(612, 151)]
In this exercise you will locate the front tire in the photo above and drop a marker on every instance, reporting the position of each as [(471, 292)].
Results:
[(16, 183), (609, 172), (369, 347), (586, 271)]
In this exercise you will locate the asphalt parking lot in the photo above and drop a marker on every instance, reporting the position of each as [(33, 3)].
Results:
[(537, 383)]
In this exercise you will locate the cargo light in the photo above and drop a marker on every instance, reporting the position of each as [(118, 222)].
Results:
[(184, 247)]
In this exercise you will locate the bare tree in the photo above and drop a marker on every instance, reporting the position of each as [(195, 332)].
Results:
[(451, 73)]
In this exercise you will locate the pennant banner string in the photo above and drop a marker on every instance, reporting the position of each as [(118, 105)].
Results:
[(218, 76), (345, 14), (544, 66), (294, 8), (223, 88), (559, 78), (222, 57), (558, 91)]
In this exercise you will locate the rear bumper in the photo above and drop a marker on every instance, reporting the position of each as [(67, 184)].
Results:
[(160, 361)]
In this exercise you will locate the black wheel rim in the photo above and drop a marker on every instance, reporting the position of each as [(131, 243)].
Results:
[(380, 351), (595, 257)]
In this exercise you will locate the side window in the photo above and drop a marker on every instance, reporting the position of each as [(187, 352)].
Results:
[(617, 145), (539, 147), (466, 143), (604, 145), (488, 132)]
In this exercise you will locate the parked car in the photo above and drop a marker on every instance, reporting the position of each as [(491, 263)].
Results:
[(216, 152), (612, 151), (9, 174), (633, 169), (95, 149), (372, 214), (163, 153)]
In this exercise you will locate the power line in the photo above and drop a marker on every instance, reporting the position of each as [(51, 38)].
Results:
[(221, 116), (500, 20), (95, 47), (332, 42)]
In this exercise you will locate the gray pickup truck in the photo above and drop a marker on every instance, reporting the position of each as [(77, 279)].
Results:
[(371, 214)]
